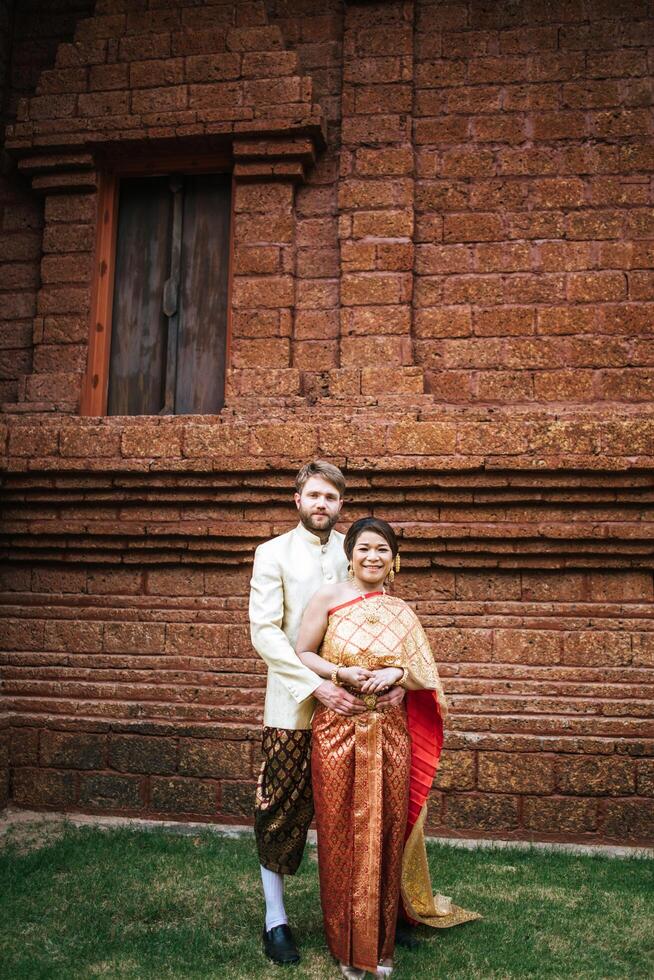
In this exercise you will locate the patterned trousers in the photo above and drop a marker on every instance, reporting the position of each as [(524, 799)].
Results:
[(284, 800)]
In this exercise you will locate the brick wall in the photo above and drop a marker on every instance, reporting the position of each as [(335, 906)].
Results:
[(32, 33), (533, 142), (442, 251)]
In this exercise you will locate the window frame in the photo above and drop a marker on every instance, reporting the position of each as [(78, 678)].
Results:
[(95, 384)]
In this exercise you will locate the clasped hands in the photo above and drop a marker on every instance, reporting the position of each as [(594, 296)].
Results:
[(367, 682), (370, 681)]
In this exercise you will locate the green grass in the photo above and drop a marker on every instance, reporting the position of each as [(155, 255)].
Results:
[(84, 903)]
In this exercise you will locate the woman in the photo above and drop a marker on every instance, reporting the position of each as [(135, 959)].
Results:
[(372, 772)]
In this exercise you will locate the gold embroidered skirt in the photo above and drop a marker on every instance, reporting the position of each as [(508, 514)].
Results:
[(284, 802), (360, 772)]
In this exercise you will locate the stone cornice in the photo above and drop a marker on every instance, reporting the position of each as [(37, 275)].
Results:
[(465, 489)]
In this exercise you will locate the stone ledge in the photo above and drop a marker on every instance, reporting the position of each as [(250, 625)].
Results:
[(13, 817)]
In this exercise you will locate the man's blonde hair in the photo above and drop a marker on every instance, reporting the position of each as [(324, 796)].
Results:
[(320, 467)]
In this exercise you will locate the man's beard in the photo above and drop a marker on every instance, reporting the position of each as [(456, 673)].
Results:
[(322, 527)]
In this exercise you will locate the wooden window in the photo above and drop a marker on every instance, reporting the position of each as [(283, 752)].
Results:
[(161, 300)]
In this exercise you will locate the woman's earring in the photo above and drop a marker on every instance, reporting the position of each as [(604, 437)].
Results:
[(391, 576), (398, 563), (350, 571)]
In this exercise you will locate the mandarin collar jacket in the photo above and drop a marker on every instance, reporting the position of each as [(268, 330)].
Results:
[(287, 571)]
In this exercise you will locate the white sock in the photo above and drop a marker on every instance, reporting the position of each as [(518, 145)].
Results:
[(273, 891)]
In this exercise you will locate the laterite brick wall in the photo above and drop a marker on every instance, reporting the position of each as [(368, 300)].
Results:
[(442, 281)]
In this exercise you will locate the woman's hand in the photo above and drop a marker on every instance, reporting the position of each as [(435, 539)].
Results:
[(382, 679), (354, 676)]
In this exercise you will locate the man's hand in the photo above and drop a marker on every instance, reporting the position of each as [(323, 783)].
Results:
[(338, 699), (393, 698)]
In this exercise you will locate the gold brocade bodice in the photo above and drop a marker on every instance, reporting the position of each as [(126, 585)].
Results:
[(380, 630)]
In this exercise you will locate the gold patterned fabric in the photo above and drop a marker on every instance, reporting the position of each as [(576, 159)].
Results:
[(284, 800), (380, 630), (363, 771), (420, 905), (361, 783)]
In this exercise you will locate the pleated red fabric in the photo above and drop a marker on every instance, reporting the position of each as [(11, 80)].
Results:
[(426, 730)]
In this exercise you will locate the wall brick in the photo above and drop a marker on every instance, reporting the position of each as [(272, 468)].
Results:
[(134, 637), (205, 757), (481, 813), (601, 648), (527, 646), (237, 798), (597, 776), (560, 815), (103, 792), (72, 750), (628, 820), (43, 787), (180, 795), (141, 753), (456, 771), (501, 772)]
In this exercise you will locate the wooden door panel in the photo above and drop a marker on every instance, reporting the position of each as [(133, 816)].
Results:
[(203, 295), (150, 283), (138, 334)]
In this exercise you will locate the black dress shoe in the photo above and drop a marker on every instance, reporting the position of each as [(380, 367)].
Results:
[(279, 945), (405, 936)]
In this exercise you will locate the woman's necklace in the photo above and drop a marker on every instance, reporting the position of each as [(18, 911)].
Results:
[(372, 607)]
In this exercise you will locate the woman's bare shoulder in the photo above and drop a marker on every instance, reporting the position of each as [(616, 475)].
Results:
[(324, 595), (330, 595)]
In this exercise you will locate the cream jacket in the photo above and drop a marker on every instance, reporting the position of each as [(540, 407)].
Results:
[(288, 570)]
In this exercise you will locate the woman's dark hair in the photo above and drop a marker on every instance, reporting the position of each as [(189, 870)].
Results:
[(369, 524)]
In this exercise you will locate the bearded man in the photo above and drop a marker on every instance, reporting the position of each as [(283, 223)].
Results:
[(288, 570)]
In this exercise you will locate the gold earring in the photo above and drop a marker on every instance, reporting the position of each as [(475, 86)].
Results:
[(391, 576), (350, 571), (398, 563)]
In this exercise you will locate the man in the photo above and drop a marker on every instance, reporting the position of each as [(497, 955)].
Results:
[(288, 570)]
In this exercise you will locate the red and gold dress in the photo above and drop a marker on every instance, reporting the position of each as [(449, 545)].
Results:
[(371, 775)]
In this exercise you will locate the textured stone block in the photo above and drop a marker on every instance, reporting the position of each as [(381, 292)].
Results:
[(196, 639), (105, 792), (592, 776), (625, 820), (134, 637), (83, 440), (24, 747), (213, 758), (501, 772), (560, 815), (483, 813), (72, 750), (461, 645), (147, 441), (73, 636), (527, 646), (456, 771), (174, 581), (30, 440), (645, 771), (599, 648), (43, 787), (181, 795), (422, 438), (237, 798), (142, 753)]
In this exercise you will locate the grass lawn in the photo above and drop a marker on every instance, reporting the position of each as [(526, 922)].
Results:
[(81, 903)]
